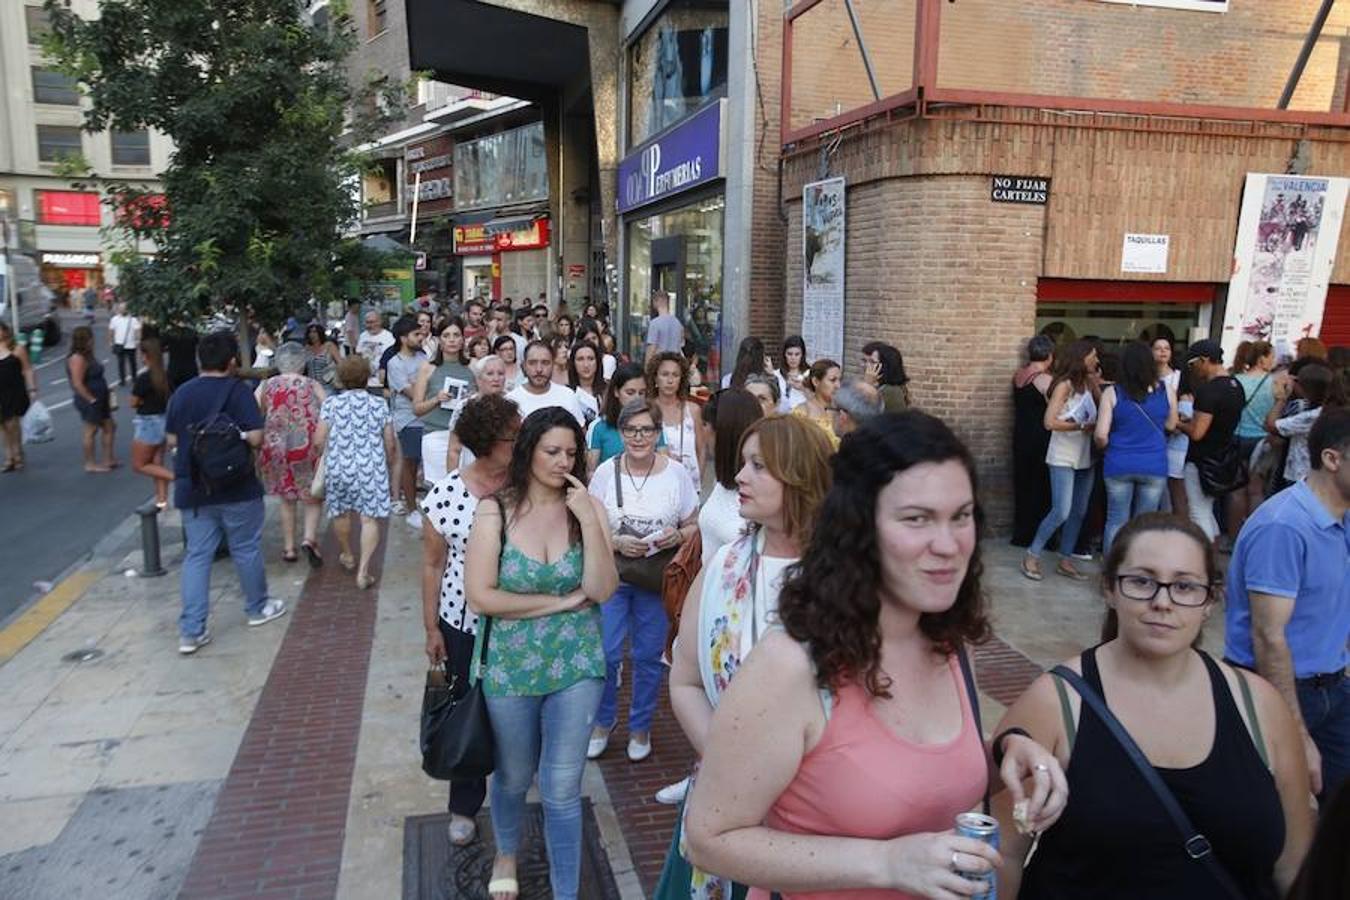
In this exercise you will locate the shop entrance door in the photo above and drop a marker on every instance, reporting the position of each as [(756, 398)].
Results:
[(668, 271)]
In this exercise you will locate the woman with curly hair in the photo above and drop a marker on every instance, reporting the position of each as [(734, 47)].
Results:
[(668, 386), (847, 743)]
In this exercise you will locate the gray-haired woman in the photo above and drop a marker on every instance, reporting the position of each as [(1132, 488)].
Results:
[(290, 404)]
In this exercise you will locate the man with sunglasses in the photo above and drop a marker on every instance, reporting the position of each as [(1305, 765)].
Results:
[(1288, 592)]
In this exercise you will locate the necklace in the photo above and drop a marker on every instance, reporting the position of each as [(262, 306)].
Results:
[(637, 488)]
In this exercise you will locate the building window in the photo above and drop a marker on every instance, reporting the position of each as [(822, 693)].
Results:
[(39, 25), (131, 148), (58, 142), (67, 207), (51, 86), (676, 66), (377, 17)]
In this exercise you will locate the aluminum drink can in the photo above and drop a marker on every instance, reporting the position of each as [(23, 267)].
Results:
[(981, 828)]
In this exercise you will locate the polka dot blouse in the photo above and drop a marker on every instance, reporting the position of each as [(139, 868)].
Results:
[(449, 507)]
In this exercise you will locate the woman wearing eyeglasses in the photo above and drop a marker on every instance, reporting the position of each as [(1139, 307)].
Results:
[(1220, 738), (652, 506)]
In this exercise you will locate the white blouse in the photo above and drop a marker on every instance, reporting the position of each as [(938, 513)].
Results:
[(719, 521), (450, 508)]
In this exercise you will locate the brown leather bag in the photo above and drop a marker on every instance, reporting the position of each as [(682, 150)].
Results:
[(679, 575)]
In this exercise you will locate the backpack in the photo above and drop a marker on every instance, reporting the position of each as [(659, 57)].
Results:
[(220, 456)]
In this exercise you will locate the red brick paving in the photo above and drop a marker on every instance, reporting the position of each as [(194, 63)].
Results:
[(277, 829), (1003, 674)]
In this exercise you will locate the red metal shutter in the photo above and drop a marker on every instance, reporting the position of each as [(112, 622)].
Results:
[(1336, 317)]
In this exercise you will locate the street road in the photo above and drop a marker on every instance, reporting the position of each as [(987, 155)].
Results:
[(53, 512)]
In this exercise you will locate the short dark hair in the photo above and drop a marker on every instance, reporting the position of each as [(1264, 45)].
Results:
[(1331, 431), (533, 344), (405, 326), (215, 351), (483, 420), (1040, 348), (539, 309), (737, 409)]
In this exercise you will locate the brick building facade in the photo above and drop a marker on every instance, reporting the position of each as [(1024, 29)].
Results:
[(959, 282)]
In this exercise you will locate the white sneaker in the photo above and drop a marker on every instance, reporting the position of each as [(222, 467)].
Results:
[(638, 752), (673, 794), (414, 520), (398, 508), (188, 646), (597, 746), (272, 609)]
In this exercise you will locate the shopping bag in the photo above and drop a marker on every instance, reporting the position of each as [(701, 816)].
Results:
[(37, 424), (456, 735)]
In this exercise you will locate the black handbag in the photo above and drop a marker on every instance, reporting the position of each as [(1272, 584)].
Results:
[(1226, 471), (456, 738), (646, 573), (456, 735)]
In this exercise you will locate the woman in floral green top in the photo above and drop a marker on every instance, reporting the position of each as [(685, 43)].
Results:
[(539, 574)]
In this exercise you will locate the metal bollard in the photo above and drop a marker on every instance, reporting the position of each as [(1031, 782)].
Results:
[(150, 564)]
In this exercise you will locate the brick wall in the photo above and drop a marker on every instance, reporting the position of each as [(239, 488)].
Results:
[(1076, 48), (1087, 49), (766, 224), (937, 270)]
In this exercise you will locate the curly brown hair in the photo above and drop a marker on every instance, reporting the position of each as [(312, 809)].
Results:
[(484, 420), (832, 602), (654, 364)]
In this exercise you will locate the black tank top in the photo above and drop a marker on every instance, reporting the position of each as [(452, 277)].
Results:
[(1114, 839)]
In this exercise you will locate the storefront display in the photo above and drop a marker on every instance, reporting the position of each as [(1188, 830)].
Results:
[(1116, 312), (505, 257)]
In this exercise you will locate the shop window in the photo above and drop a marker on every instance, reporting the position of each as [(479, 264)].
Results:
[(679, 252), (1117, 323), (58, 142), (51, 86), (378, 188), (131, 148), (506, 168), (676, 66), (67, 207), (38, 22)]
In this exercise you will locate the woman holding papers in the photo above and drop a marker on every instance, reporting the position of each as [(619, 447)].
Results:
[(1070, 417)]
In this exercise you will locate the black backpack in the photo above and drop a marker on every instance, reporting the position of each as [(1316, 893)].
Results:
[(221, 458)]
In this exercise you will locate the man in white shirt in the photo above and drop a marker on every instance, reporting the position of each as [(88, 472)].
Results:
[(539, 390), (372, 343), (124, 333)]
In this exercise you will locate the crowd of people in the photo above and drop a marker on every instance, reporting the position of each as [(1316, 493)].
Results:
[(587, 517)]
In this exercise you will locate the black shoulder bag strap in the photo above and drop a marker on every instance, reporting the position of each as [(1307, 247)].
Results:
[(968, 674), (485, 622), (1196, 845)]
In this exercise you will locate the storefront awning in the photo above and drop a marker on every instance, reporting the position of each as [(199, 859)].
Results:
[(506, 224)]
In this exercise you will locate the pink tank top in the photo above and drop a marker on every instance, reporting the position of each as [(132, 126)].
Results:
[(862, 780)]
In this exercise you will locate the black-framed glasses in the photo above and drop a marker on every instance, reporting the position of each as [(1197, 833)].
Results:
[(643, 431), (1182, 593)]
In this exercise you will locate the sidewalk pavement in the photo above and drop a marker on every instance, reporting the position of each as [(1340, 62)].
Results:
[(282, 761)]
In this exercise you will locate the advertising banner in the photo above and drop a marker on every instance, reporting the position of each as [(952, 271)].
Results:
[(686, 156), (1282, 261), (823, 269)]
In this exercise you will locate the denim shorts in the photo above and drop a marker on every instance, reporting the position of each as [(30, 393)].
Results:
[(148, 429), (410, 442)]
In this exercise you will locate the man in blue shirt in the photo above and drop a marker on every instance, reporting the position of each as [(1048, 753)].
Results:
[(234, 512), (1288, 614)]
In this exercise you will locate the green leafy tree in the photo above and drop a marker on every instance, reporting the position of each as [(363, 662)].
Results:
[(259, 197)]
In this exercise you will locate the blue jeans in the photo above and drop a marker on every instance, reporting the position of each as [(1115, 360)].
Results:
[(641, 617), (1326, 713), (1070, 491), (241, 525), (548, 734), (1127, 496)]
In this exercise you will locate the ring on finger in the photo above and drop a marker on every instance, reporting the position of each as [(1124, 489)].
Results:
[(955, 867), (1041, 767)]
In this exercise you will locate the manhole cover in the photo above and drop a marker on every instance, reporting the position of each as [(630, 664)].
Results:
[(433, 870), (88, 654)]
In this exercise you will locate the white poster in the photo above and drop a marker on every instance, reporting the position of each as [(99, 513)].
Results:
[(1282, 261), (1145, 253), (1217, 6), (823, 269)]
